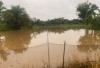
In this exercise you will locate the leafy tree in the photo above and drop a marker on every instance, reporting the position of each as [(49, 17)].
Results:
[(1, 10), (16, 17), (86, 10), (96, 22)]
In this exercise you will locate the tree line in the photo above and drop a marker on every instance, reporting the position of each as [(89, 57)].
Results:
[(16, 17), (56, 21)]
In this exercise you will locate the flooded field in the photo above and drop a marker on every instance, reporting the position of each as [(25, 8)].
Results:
[(44, 48)]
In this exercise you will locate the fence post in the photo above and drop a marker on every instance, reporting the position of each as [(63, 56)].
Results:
[(48, 50), (63, 63)]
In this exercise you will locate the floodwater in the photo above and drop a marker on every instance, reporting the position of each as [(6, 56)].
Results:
[(44, 47)]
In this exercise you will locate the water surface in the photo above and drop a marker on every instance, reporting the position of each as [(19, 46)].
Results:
[(42, 47)]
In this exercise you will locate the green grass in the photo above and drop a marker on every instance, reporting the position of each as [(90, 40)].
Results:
[(72, 25), (3, 27)]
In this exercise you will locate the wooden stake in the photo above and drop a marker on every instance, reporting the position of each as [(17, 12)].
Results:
[(63, 64)]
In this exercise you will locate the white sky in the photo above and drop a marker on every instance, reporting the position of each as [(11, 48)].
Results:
[(49, 9)]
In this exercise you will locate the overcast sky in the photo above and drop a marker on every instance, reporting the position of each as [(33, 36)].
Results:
[(49, 9)]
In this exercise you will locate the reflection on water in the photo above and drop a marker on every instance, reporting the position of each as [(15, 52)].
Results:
[(29, 48), (91, 37)]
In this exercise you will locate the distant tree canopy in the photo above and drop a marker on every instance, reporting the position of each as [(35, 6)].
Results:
[(57, 21)]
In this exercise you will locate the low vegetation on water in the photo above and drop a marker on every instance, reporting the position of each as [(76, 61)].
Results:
[(16, 18)]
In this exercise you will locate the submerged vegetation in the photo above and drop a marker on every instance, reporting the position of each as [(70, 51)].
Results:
[(16, 18)]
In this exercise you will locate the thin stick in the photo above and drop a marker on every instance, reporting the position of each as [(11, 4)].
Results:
[(48, 51), (63, 64)]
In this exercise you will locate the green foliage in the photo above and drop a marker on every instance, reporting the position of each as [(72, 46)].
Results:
[(86, 10), (39, 22), (76, 21), (60, 21), (16, 17), (56, 21), (96, 24), (2, 9), (3, 27)]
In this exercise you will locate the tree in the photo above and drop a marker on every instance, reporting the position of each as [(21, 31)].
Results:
[(86, 10), (16, 17), (96, 22), (1, 10)]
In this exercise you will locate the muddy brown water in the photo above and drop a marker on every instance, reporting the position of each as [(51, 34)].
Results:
[(29, 48)]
